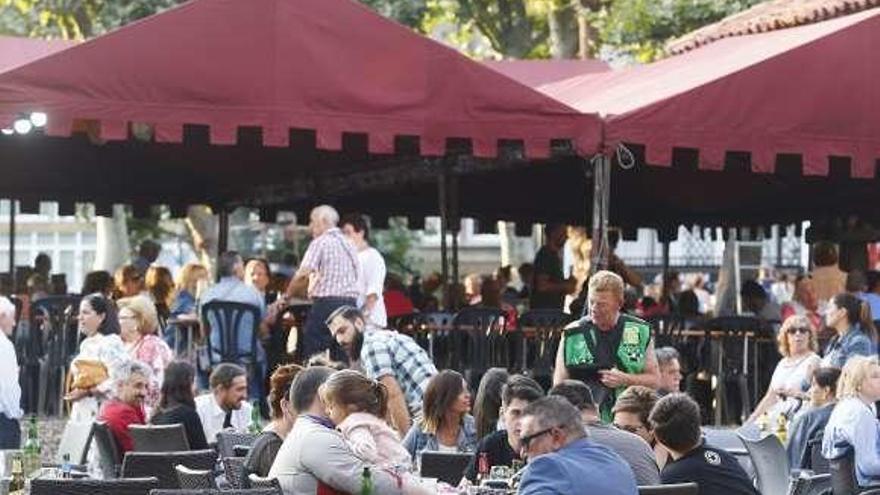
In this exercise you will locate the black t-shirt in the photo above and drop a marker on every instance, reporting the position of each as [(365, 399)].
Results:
[(497, 450), (715, 470), (550, 264), (190, 420)]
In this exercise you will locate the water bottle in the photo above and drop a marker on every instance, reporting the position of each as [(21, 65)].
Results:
[(366, 482), (66, 467)]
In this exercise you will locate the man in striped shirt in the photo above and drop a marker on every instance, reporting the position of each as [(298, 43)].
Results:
[(329, 273)]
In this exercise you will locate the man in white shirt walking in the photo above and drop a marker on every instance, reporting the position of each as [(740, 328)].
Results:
[(371, 277), (10, 391), (226, 406)]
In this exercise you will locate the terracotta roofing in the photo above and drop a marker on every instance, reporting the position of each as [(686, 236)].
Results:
[(769, 16)]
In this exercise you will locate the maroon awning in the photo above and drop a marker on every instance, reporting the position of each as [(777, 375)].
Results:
[(332, 66), (812, 91), (16, 51)]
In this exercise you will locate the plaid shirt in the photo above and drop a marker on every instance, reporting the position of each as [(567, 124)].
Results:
[(336, 263), (386, 352)]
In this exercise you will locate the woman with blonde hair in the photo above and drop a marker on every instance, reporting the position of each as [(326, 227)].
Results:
[(791, 379), (138, 324), (128, 282), (187, 285), (853, 425)]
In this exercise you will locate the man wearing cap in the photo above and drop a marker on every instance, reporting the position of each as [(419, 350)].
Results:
[(389, 357)]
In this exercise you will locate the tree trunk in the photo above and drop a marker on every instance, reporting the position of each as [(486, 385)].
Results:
[(202, 225), (564, 32), (113, 246)]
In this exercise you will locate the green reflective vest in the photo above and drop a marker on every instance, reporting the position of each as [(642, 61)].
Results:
[(631, 335)]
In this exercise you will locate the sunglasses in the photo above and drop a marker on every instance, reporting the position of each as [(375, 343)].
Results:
[(629, 428), (792, 331), (526, 440)]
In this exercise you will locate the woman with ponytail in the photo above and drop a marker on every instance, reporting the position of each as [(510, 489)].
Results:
[(359, 408), (855, 333)]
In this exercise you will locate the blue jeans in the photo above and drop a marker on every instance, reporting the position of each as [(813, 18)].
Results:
[(317, 338), (10, 433)]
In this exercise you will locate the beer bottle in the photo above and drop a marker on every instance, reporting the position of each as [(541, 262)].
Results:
[(366, 482), (254, 427), (16, 484), (32, 449)]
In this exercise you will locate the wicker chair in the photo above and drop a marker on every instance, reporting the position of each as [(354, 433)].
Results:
[(159, 438), (214, 491), (61, 486), (233, 467), (227, 440), (258, 482), (195, 478), (162, 464)]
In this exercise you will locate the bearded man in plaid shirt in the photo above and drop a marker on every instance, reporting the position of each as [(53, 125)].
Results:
[(329, 275), (389, 357)]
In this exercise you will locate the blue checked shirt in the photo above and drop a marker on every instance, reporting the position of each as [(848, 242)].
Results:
[(386, 352)]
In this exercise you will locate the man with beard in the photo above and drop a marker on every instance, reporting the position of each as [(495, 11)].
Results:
[(388, 357), (226, 406), (127, 408)]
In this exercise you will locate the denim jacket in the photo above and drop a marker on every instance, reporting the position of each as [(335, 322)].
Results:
[(855, 342), (417, 441)]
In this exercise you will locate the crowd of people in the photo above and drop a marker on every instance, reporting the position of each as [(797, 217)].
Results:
[(365, 395)]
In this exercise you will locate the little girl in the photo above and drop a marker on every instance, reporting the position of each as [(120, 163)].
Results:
[(358, 406)]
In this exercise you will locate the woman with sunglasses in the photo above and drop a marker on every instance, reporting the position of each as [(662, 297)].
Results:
[(791, 378)]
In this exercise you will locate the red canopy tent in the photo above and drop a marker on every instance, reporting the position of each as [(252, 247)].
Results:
[(332, 66), (746, 129), (16, 51)]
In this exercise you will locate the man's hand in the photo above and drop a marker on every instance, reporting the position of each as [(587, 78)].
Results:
[(614, 378)]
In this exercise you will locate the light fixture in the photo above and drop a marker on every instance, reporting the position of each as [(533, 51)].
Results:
[(38, 119), (23, 126), (7, 131)]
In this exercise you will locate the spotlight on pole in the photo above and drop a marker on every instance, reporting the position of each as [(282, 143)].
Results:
[(23, 126), (38, 119)]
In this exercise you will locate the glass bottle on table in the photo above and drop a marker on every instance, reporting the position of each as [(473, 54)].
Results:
[(255, 427), (32, 451), (367, 482), (16, 483), (482, 467)]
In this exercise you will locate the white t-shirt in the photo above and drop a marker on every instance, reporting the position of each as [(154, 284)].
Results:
[(791, 373), (371, 280)]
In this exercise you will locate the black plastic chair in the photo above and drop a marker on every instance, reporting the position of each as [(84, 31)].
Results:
[(228, 316), (233, 468), (109, 453), (540, 331), (431, 331), (475, 333), (88, 486), (196, 479), (843, 475), (159, 438), (162, 464), (676, 489)]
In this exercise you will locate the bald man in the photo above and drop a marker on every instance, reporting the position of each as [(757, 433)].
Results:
[(328, 275)]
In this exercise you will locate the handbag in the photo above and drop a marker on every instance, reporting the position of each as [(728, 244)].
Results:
[(89, 374)]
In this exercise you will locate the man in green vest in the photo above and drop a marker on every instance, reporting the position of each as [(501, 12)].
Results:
[(607, 350)]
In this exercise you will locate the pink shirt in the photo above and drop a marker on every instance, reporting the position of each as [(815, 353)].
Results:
[(371, 439), (155, 353), (335, 264)]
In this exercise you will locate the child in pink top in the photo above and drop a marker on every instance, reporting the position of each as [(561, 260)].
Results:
[(358, 406)]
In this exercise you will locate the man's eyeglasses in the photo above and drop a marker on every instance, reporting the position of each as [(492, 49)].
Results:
[(794, 330), (629, 428), (524, 441)]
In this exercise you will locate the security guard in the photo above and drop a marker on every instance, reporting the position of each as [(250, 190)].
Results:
[(607, 350)]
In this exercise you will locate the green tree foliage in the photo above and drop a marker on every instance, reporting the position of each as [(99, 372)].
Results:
[(640, 28), (73, 19), (396, 244)]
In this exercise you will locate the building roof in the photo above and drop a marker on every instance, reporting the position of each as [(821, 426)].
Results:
[(769, 16)]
